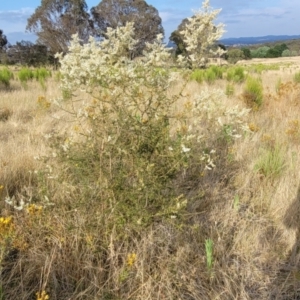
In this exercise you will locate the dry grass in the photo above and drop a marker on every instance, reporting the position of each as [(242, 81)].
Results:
[(253, 219), (281, 60)]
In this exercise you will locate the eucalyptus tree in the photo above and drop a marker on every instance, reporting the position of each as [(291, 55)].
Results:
[(116, 13), (55, 21), (178, 38), (3, 39)]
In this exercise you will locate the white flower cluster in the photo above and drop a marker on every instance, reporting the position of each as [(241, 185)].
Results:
[(215, 114), (104, 63), (87, 65), (24, 203), (200, 33), (156, 54)]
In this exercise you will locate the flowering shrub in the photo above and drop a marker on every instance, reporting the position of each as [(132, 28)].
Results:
[(200, 34), (128, 144)]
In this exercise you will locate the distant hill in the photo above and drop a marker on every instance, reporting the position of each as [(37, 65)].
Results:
[(257, 40)]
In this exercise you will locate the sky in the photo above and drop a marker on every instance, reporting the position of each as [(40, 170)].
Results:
[(242, 18)]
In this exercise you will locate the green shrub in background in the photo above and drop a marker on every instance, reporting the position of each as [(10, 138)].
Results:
[(294, 53), (5, 76), (234, 55), (276, 51), (286, 53), (253, 92), (246, 52), (261, 52)]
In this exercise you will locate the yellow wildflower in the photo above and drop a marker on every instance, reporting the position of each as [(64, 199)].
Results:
[(33, 209), (5, 221), (43, 102), (131, 258), (6, 226), (253, 127), (42, 296)]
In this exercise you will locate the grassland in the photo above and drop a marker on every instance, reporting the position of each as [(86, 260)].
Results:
[(237, 239)]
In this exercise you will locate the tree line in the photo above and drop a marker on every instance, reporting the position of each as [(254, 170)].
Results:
[(55, 21), (279, 50)]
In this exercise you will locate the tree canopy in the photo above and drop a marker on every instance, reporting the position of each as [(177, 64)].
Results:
[(199, 37), (3, 39), (25, 52), (55, 21), (115, 13), (178, 38)]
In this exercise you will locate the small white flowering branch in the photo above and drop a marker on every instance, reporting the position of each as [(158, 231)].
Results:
[(200, 33)]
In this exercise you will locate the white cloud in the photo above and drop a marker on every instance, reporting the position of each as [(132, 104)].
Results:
[(16, 16), (13, 23)]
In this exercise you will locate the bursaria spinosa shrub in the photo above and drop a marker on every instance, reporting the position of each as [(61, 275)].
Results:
[(127, 144), (200, 34)]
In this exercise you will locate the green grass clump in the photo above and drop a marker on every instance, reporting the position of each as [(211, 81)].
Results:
[(297, 77), (213, 73), (236, 74), (209, 75), (217, 70), (253, 92), (271, 162), (209, 246), (198, 75), (5, 76), (24, 75), (41, 74)]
